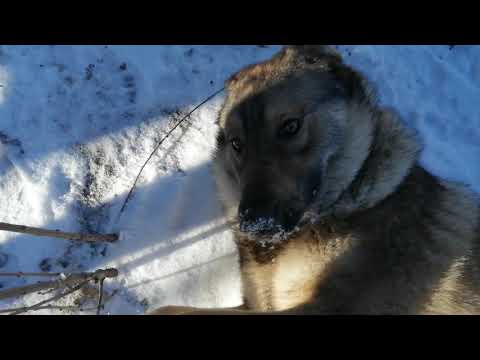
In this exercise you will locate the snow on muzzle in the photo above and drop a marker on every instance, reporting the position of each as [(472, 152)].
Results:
[(259, 214)]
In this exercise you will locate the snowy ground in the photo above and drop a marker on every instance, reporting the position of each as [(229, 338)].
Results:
[(77, 122)]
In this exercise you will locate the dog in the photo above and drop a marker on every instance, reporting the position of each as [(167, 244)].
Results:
[(331, 211)]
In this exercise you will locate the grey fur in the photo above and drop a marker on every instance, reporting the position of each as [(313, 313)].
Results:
[(379, 235)]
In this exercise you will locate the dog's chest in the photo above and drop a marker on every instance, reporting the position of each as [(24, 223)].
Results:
[(290, 276), (295, 275)]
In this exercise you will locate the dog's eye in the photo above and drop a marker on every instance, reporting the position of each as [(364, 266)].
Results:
[(290, 128), (236, 145)]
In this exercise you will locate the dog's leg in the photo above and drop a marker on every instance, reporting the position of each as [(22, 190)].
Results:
[(240, 310), (185, 310)]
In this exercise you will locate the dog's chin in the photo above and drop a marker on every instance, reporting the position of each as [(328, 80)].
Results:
[(309, 217), (273, 234)]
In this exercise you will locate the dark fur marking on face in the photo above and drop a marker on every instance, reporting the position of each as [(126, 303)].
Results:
[(312, 184), (307, 148), (230, 173), (252, 112), (221, 139)]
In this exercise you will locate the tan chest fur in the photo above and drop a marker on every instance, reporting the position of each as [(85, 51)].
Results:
[(293, 274)]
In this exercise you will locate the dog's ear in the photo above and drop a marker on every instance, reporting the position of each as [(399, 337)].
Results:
[(313, 53), (306, 54), (236, 77), (233, 79)]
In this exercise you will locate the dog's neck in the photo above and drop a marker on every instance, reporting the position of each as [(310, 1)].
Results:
[(378, 154)]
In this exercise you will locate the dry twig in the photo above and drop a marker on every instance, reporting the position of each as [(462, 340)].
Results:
[(67, 280), (58, 234), (73, 282), (53, 298), (100, 296), (160, 144), (35, 274), (49, 307)]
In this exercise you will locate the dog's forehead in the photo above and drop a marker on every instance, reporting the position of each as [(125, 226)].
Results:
[(273, 103), (265, 110)]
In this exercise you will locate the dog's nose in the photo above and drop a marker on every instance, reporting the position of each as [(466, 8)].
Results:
[(256, 212), (290, 218), (262, 215), (256, 219)]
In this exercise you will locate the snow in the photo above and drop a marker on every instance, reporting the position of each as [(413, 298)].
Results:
[(77, 123)]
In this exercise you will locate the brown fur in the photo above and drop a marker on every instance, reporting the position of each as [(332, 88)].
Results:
[(384, 235)]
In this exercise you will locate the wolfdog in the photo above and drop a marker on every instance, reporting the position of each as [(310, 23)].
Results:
[(331, 211)]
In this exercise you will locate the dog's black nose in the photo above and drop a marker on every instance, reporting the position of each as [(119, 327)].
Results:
[(290, 218), (256, 218), (261, 214)]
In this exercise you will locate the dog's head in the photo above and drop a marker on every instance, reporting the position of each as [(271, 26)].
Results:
[(284, 127)]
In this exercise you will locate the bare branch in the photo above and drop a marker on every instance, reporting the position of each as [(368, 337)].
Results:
[(68, 280), (100, 296), (160, 144), (48, 307), (53, 298), (28, 289), (99, 275), (23, 274), (58, 234)]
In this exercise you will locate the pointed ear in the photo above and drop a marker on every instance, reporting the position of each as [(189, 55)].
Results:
[(233, 79), (313, 53)]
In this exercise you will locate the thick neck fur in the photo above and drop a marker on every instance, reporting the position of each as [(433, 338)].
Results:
[(378, 153)]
